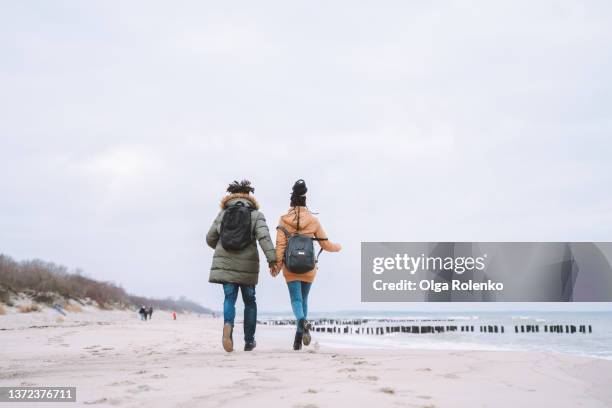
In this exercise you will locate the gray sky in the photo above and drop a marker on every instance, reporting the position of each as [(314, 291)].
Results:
[(121, 123)]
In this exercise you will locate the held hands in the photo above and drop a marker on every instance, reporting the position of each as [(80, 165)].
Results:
[(275, 269)]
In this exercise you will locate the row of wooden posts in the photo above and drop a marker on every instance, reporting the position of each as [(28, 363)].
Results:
[(380, 330), (352, 322), (360, 327)]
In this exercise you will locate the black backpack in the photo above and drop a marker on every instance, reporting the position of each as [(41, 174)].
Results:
[(236, 227), (299, 254)]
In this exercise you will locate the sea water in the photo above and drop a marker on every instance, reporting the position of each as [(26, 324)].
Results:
[(595, 344)]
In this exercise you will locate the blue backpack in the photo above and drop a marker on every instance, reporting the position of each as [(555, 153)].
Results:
[(299, 254)]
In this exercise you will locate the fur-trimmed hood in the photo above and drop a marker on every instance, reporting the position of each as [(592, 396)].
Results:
[(249, 197)]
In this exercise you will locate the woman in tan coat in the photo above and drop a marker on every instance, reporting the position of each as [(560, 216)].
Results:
[(299, 219)]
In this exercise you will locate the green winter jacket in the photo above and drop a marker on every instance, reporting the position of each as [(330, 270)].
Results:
[(240, 266)]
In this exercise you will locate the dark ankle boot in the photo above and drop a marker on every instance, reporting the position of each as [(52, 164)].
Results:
[(305, 326), (297, 343), (250, 345)]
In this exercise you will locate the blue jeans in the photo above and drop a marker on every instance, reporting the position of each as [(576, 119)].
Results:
[(298, 292), (250, 307)]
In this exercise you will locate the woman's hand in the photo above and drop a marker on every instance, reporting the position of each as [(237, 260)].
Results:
[(274, 270)]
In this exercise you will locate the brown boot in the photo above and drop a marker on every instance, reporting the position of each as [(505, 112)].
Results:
[(228, 342)]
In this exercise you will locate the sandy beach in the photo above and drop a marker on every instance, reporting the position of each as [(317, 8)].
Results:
[(114, 359)]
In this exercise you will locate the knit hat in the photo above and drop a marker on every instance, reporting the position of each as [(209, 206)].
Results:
[(299, 188)]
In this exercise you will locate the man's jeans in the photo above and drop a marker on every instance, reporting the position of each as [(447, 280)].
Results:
[(250, 307), (298, 292)]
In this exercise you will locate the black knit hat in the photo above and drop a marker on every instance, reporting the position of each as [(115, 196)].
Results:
[(299, 188), (298, 194)]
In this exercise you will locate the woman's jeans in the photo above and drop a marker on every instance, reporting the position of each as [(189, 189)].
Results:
[(250, 307), (298, 292)]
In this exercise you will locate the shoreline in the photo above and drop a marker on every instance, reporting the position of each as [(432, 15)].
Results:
[(48, 318)]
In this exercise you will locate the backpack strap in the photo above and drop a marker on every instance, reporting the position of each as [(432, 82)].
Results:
[(317, 260), (247, 206), (320, 249), (237, 205), (284, 231)]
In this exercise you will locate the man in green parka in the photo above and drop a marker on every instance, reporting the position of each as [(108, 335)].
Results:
[(235, 264)]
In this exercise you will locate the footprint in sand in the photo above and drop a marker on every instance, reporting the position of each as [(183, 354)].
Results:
[(425, 369), (139, 389), (368, 378), (305, 406), (126, 382), (28, 384), (96, 350), (451, 376), (387, 390), (15, 374), (111, 401), (158, 376), (263, 377)]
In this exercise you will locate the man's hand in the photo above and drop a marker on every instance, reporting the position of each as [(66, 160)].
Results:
[(274, 270)]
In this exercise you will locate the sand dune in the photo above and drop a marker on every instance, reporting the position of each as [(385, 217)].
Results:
[(116, 360)]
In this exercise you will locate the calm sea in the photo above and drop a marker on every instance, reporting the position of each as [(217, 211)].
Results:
[(595, 344)]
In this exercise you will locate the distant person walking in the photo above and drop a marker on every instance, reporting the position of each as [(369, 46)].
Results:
[(150, 312), (143, 313), (173, 315), (234, 235), (297, 229)]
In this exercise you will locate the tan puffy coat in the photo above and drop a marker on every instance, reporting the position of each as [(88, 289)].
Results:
[(310, 226)]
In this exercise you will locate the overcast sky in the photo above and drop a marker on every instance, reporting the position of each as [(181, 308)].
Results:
[(121, 124)]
